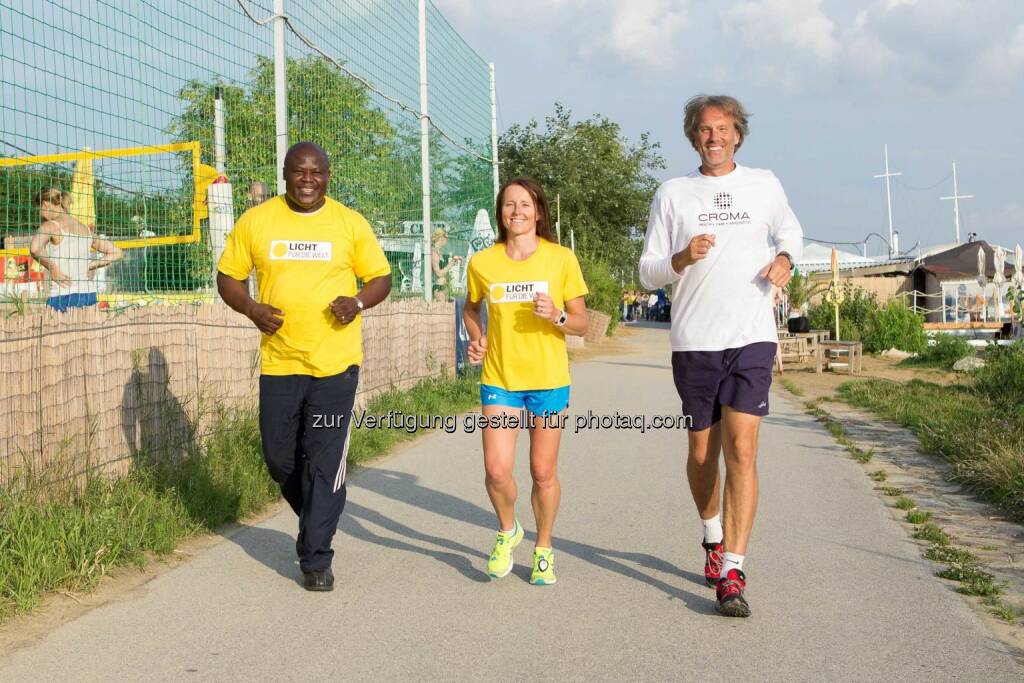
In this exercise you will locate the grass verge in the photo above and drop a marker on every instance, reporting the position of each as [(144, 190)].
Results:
[(65, 537), (437, 396), (838, 431), (961, 565), (982, 439), (791, 386)]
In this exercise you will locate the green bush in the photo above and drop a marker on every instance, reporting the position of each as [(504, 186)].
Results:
[(605, 291), (894, 326), (854, 314), (1002, 378), (947, 349)]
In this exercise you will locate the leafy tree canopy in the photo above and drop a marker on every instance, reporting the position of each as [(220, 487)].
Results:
[(606, 183)]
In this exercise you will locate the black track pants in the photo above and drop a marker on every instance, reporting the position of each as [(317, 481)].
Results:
[(305, 422)]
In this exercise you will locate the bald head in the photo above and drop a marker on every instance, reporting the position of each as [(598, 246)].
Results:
[(300, 149), (307, 173)]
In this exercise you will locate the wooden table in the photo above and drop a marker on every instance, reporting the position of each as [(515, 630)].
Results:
[(854, 352)]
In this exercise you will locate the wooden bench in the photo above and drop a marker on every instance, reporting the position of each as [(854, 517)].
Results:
[(793, 348)]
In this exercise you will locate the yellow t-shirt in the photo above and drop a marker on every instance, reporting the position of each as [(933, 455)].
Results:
[(303, 262), (524, 352)]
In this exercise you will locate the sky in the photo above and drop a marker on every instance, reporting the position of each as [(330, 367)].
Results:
[(828, 84)]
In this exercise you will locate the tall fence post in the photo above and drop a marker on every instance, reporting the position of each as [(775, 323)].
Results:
[(427, 263), (219, 154), (280, 93), (494, 131)]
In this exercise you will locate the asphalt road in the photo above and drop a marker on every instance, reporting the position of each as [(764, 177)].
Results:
[(837, 589)]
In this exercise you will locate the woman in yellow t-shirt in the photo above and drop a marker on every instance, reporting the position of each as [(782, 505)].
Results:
[(534, 290)]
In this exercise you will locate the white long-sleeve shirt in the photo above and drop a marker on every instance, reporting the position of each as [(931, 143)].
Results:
[(722, 301)]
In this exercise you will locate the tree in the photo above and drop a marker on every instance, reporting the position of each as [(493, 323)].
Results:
[(801, 290), (371, 165), (606, 183)]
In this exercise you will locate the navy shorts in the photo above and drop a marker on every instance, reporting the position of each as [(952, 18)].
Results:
[(739, 378)]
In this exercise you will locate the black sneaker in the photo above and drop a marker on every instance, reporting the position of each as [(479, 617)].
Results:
[(318, 580)]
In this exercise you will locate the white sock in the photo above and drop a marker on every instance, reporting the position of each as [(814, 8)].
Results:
[(712, 529), (512, 530), (731, 561)]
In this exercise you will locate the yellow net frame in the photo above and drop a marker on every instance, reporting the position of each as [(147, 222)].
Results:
[(193, 147)]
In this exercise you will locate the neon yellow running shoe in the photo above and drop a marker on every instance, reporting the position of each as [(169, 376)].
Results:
[(499, 564), (543, 572)]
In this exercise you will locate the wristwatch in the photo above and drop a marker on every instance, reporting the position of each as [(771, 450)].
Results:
[(788, 258), (562, 319), (359, 302)]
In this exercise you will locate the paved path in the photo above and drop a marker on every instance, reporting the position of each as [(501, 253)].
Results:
[(837, 589)]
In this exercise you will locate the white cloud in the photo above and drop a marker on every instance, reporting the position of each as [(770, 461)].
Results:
[(888, 46), (938, 47), (785, 40), (645, 32), (641, 33)]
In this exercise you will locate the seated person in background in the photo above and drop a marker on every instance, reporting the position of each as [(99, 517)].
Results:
[(441, 264), (63, 245)]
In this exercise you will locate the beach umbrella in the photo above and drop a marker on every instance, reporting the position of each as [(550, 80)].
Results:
[(982, 280), (1018, 281), (83, 196), (1018, 273), (999, 259), (834, 296)]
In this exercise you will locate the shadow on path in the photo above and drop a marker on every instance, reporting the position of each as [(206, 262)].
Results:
[(405, 488)]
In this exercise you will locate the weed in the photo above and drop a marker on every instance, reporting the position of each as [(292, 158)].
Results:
[(918, 517), (979, 583), (791, 386), (860, 455), (950, 554), (929, 531), (1003, 612), (973, 579), (835, 428)]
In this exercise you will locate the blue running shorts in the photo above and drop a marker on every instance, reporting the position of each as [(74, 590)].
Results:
[(537, 402)]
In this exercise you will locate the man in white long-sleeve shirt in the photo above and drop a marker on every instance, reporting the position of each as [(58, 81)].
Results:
[(722, 235)]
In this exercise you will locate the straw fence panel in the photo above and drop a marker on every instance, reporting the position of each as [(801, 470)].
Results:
[(90, 390)]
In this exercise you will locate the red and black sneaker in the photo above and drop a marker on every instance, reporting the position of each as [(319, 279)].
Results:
[(731, 602), (713, 561)]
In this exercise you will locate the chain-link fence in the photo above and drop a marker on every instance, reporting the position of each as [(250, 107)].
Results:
[(120, 120)]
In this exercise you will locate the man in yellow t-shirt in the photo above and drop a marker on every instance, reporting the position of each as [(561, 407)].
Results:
[(307, 251)]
